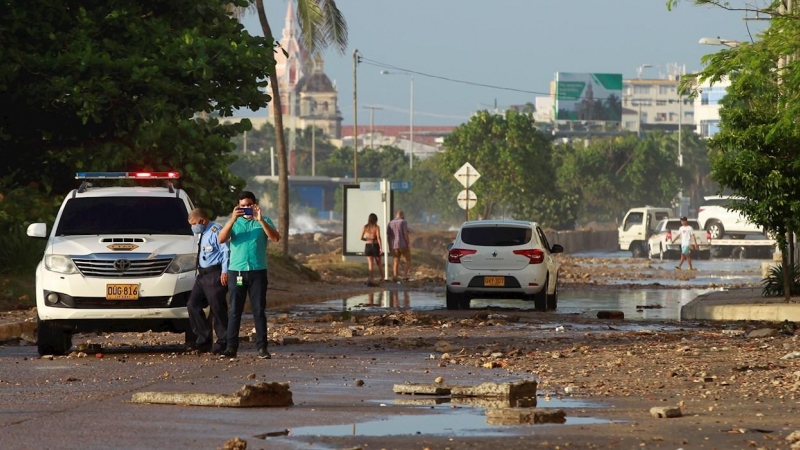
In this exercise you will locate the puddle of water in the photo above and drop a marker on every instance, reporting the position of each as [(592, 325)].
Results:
[(487, 403), (636, 304), (464, 421)]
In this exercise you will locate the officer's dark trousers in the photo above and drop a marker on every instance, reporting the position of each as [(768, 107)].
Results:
[(208, 291), (254, 283)]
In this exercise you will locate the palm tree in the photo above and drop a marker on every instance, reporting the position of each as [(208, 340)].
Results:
[(321, 25)]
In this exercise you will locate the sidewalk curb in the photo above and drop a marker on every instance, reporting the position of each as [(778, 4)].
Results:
[(732, 306)]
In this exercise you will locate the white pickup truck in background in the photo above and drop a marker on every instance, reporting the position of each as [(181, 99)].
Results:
[(660, 242), (637, 226)]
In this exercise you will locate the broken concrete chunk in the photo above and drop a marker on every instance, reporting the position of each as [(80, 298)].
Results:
[(249, 396), (235, 444), (661, 412), (524, 416), (762, 332), (515, 390), (421, 389)]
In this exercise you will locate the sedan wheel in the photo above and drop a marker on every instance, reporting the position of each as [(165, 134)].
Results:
[(552, 299), (452, 299), (540, 298)]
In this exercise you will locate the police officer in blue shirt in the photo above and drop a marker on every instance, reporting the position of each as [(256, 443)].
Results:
[(210, 287)]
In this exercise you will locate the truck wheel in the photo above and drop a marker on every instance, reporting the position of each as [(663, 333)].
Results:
[(715, 229), (739, 253), (637, 250), (660, 252), (51, 339)]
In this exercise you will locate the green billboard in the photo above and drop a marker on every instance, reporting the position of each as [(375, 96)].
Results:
[(588, 96)]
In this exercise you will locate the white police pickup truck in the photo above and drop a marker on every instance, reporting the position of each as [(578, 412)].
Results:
[(117, 259)]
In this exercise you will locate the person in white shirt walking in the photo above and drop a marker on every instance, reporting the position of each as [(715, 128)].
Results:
[(686, 233)]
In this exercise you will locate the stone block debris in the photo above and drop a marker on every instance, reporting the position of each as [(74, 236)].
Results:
[(523, 389), (665, 412), (249, 396), (421, 389), (234, 444), (524, 416)]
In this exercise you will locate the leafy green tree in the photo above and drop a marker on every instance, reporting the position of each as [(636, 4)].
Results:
[(115, 85), (322, 149), (755, 151), (612, 174), (514, 159)]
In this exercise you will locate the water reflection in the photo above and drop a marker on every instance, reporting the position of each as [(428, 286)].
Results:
[(636, 304), (395, 298)]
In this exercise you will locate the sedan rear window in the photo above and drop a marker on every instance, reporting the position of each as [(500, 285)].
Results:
[(496, 236)]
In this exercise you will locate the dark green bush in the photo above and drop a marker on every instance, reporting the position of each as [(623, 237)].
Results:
[(19, 253), (772, 286)]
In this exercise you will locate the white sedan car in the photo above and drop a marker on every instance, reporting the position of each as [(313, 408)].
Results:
[(660, 245), (502, 259)]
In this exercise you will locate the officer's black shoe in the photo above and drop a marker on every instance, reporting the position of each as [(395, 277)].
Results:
[(228, 353), (263, 353)]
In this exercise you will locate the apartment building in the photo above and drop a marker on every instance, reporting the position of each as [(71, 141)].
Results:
[(654, 104)]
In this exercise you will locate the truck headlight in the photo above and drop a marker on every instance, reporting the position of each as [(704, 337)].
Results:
[(182, 263), (60, 264)]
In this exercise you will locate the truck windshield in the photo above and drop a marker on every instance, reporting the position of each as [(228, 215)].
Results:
[(124, 215)]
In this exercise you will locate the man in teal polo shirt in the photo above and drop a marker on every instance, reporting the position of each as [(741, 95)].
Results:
[(247, 231)]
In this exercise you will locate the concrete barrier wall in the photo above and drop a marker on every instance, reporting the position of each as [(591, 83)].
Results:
[(585, 240)]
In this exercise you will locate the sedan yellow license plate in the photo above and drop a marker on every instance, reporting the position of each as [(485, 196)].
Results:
[(122, 292), (494, 281)]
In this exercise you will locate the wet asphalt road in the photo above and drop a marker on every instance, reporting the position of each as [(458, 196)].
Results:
[(83, 403)]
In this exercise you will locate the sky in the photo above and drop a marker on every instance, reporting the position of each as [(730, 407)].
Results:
[(516, 46)]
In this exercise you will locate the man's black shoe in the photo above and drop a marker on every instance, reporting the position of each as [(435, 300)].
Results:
[(228, 353), (264, 354), (196, 348), (217, 350)]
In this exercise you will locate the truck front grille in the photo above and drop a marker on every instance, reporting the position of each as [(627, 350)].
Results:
[(122, 268)]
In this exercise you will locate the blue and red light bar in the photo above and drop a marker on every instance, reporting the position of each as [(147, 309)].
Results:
[(126, 175)]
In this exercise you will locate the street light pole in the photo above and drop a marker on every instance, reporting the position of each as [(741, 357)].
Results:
[(411, 115), (411, 121), (355, 115)]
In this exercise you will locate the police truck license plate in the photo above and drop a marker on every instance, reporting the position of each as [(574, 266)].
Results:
[(494, 281), (122, 291)]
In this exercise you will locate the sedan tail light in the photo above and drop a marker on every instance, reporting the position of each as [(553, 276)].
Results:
[(455, 254), (535, 255)]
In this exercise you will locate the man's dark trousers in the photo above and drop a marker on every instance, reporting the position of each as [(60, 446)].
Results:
[(208, 291), (254, 283)]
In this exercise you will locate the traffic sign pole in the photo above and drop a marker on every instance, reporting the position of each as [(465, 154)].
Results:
[(467, 183), (467, 175)]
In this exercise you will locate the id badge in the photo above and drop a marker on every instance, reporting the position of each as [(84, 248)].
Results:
[(239, 281)]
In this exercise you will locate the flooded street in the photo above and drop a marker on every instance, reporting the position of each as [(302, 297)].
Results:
[(655, 297)]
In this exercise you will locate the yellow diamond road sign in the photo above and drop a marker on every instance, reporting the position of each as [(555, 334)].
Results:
[(467, 175)]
